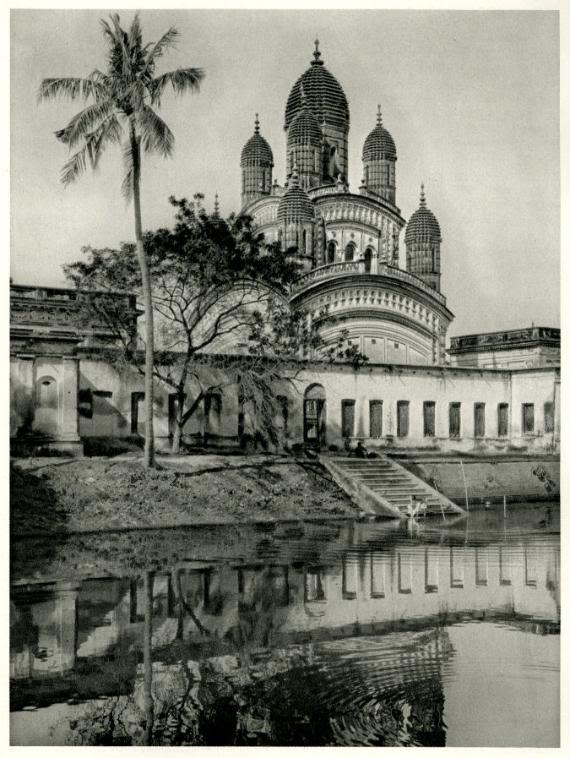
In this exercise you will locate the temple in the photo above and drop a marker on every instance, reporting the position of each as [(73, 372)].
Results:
[(497, 392)]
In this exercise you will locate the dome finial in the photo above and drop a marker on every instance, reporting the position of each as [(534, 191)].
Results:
[(316, 54), (422, 197), (256, 130), (379, 116)]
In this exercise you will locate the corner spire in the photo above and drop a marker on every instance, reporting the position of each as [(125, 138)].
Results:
[(316, 55), (379, 116), (422, 197), (216, 206), (256, 130)]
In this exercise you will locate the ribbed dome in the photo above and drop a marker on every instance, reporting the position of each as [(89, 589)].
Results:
[(379, 143), (295, 206), (423, 225), (325, 96), (304, 129), (257, 149)]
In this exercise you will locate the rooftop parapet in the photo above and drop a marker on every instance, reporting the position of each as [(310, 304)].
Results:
[(506, 339), (334, 270)]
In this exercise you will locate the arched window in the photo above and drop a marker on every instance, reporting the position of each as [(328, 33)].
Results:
[(368, 260), (305, 241), (349, 251), (331, 251), (47, 392)]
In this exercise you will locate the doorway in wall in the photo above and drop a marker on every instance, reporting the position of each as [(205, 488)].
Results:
[(138, 413), (314, 416)]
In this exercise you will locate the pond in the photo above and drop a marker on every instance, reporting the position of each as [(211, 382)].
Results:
[(444, 633)]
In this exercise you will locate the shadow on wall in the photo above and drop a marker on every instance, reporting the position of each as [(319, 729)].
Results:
[(21, 409), (98, 415)]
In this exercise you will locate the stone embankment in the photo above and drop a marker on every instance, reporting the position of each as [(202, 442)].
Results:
[(489, 479)]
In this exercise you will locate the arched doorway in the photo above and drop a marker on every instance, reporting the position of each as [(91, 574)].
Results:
[(349, 251), (46, 417), (314, 416)]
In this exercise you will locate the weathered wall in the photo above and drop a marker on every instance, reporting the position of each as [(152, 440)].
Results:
[(111, 394), (531, 480)]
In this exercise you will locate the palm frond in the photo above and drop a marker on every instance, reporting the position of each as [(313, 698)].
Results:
[(156, 136), (71, 87), (75, 166), (135, 34), (181, 80), (92, 149), (164, 43), (109, 131), (128, 177), (122, 40), (83, 123)]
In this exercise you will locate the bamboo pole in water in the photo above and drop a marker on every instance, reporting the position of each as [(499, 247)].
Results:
[(147, 658)]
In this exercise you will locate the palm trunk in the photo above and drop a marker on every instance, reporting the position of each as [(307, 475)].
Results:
[(147, 301)]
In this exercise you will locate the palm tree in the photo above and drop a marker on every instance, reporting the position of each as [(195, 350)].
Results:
[(120, 111)]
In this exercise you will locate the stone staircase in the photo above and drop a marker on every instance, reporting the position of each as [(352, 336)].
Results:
[(382, 487)]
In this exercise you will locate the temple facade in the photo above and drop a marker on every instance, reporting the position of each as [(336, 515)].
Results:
[(349, 243)]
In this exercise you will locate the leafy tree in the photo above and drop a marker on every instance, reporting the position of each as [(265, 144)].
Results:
[(121, 110), (222, 315)]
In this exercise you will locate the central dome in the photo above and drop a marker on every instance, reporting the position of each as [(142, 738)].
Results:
[(325, 97)]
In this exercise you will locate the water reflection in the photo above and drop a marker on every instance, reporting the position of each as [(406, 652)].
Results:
[(278, 634)]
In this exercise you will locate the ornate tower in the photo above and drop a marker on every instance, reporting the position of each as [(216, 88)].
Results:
[(256, 165), (304, 148), (379, 162), (296, 217), (325, 98), (423, 241)]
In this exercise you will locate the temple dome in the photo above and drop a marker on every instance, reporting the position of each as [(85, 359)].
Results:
[(304, 128), (379, 143), (256, 150), (325, 96), (423, 225), (295, 206)]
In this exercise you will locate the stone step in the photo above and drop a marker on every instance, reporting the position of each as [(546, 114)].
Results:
[(393, 485)]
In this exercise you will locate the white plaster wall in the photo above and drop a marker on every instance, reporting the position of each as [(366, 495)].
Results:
[(524, 357), (415, 385), (537, 387)]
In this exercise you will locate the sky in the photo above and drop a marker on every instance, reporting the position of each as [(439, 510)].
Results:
[(470, 98)]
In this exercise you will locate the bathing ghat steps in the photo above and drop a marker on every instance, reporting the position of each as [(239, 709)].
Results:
[(382, 487)]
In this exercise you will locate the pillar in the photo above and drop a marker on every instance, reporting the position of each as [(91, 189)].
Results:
[(69, 425)]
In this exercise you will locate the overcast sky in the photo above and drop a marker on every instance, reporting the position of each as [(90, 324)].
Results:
[(470, 98)]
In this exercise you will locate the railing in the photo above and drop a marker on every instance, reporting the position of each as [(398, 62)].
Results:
[(495, 339), (61, 294), (333, 270)]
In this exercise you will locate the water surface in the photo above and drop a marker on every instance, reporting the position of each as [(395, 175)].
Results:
[(445, 633)]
